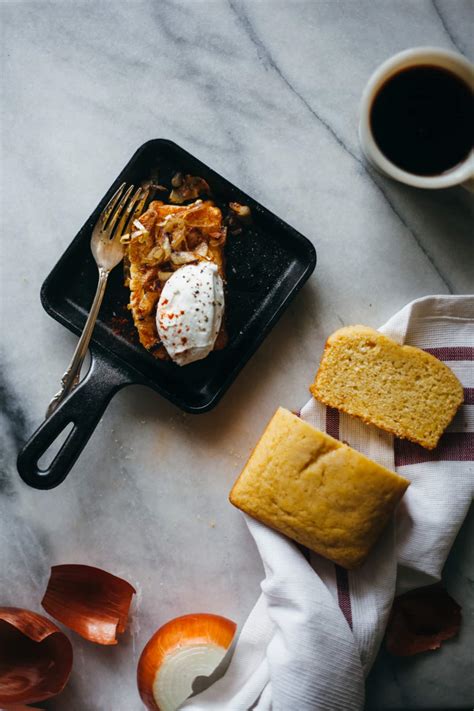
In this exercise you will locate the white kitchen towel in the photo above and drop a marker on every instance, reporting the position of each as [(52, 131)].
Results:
[(312, 637)]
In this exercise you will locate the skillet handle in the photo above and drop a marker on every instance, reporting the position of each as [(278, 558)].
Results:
[(83, 408)]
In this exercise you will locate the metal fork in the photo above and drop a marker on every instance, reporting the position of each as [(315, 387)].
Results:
[(115, 220)]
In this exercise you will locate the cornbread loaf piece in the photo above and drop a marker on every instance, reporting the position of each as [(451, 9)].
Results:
[(316, 490), (400, 389)]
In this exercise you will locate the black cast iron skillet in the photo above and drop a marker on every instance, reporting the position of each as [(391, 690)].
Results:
[(267, 264)]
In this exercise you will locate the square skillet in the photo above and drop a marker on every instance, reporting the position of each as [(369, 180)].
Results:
[(267, 264)]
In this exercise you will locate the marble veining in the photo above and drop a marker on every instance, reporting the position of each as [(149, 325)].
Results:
[(266, 92)]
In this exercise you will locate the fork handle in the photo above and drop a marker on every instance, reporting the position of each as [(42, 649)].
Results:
[(71, 377)]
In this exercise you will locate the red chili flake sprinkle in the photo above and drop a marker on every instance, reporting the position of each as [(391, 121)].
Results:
[(184, 340), (165, 301), (182, 313)]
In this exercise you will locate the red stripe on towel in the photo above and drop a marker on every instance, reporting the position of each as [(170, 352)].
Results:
[(452, 447), (332, 422), (343, 593), (452, 352), (342, 576), (469, 396)]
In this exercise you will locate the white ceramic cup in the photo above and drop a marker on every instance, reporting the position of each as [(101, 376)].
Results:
[(461, 174)]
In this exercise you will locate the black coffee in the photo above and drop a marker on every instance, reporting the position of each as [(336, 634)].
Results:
[(422, 119)]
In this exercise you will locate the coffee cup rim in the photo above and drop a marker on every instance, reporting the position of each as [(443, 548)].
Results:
[(412, 57)]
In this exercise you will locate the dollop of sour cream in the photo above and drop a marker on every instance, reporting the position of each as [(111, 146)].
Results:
[(190, 310)]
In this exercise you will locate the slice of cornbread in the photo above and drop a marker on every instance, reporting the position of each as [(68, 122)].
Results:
[(400, 389), (316, 490)]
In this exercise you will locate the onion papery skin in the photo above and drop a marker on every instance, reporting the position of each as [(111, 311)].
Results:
[(19, 707), (90, 601), (35, 657)]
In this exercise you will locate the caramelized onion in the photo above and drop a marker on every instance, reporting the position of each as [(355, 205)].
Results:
[(155, 256), (166, 248), (241, 211), (178, 232), (202, 249), (35, 658), (187, 188), (179, 652), (164, 276), (88, 600), (183, 257)]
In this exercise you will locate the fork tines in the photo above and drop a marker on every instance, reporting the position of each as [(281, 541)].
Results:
[(122, 206)]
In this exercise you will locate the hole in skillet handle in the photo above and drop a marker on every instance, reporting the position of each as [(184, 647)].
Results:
[(78, 414), (45, 461)]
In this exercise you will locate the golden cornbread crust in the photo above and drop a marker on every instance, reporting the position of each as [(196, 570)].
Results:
[(317, 490), (400, 389)]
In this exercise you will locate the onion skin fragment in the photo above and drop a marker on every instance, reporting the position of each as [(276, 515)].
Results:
[(35, 658), (19, 707), (420, 620), (188, 630), (90, 601)]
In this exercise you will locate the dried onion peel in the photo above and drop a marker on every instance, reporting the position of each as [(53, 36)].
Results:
[(89, 600), (19, 707), (179, 652), (421, 620), (35, 658)]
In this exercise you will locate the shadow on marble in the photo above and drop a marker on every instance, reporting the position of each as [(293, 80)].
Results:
[(408, 683)]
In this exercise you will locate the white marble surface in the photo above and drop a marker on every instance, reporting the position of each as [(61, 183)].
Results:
[(265, 92)]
